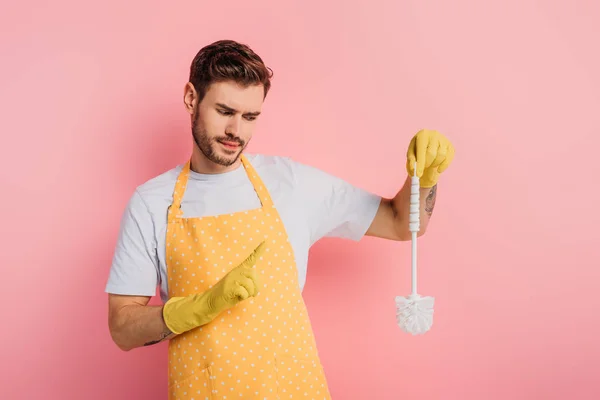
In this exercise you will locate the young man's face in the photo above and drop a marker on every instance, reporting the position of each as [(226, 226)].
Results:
[(224, 121)]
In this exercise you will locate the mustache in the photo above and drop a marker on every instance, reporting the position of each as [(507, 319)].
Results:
[(230, 139)]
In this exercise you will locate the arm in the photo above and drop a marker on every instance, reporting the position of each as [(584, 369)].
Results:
[(391, 220), (432, 153), (132, 281), (133, 323)]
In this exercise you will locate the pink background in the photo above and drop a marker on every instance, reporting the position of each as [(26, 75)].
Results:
[(91, 106)]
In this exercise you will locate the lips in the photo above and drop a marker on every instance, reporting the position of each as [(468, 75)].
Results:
[(230, 144)]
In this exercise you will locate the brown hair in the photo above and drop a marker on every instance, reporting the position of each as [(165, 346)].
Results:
[(226, 60)]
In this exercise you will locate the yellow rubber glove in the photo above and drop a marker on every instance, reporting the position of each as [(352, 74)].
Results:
[(182, 314), (432, 152)]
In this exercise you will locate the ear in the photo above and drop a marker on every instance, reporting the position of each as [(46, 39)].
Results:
[(190, 98)]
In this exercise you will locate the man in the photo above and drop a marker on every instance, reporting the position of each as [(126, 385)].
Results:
[(226, 237)]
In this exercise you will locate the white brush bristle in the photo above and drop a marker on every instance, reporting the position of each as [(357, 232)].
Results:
[(414, 314)]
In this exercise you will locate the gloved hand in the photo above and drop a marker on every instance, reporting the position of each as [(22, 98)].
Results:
[(182, 314), (432, 152)]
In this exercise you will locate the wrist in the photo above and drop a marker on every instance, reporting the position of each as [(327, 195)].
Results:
[(429, 179)]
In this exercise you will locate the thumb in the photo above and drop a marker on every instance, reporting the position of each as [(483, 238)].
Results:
[(411, 157), (421, 151)]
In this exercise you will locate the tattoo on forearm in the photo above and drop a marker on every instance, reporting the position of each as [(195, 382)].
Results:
[(163, 336), (430, 200), (166, 333)]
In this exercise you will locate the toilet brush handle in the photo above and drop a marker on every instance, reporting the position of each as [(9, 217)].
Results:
[(414, 224)]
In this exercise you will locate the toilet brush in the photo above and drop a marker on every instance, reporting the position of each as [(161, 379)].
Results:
[(414, 313)]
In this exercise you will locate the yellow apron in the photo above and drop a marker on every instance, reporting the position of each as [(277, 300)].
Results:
[(264, 347)]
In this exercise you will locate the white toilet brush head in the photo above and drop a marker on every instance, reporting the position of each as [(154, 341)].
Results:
[(414, 314)]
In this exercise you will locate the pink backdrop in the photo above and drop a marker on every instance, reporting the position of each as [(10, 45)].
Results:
[(91, 106)]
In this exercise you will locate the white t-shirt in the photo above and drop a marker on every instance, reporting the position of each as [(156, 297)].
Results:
[(312, 204)]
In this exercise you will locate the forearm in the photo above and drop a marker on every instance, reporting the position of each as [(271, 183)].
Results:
[(138, 325), (134, 324), (401, 206)]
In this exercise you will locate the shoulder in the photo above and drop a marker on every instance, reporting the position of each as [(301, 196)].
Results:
[(273, 168), (154, 195), (283, 167), (159, 184), (269, 161)]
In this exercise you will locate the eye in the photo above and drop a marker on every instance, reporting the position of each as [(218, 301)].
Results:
[(222, 112), (250, 118)]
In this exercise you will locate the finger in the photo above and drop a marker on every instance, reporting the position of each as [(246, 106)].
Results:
[(432, 151), (250, 286), (240, 293), (442, 151), (251, 260), (447, 160), (421, 150), (410, 166), (250, 273)]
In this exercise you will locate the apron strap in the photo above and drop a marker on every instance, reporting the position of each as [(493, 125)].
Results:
[(175, 208), (181, 184), (259, 186)]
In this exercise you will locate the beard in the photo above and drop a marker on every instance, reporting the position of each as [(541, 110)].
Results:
[(212, 149)]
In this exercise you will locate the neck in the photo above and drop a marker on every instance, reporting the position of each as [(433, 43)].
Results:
[(202, 165)]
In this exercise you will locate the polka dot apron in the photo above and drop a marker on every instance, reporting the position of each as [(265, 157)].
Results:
[(262, 348)]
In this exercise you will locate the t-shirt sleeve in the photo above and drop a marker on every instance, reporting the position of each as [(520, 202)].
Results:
[(333, 206), (134, 269)]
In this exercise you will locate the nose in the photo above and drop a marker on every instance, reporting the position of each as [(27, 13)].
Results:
[(233, 127)]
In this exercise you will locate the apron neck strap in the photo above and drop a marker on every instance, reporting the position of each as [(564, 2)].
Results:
[(180, 186), (182, 179), (257, 183)]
